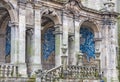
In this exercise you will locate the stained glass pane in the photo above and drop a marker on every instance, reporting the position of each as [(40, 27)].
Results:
[(87, 45), (49, 43), (8, 41)]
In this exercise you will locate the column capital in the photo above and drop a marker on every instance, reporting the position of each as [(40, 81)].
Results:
[(13, 24), (30, 31), (57, 25), (71, 36), (22, 3), (57, 32), (57, 29)]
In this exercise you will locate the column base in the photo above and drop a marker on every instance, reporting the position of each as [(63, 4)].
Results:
[(22, 70), (34, 68), (58, 60)]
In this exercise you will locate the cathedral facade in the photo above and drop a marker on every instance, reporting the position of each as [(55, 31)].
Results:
[(50, 34)]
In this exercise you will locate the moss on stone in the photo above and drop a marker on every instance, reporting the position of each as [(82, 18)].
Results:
[(31, 80), (104, 79)]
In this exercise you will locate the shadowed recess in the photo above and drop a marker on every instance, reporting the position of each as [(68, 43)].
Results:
[(8, 40)]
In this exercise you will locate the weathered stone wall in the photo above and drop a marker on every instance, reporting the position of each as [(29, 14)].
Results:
[(27, 16)]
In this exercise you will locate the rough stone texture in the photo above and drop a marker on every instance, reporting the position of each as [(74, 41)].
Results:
[(27, 15)]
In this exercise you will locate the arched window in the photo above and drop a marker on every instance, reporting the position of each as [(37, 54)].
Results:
[(48, 43)]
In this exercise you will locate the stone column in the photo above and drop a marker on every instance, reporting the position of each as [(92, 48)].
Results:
[(113, 53), (109, 54), (65, 32), (71, 48), (77, 41), (36, 43), (14, 42), (105, 53), (58, 43), (22, 29)]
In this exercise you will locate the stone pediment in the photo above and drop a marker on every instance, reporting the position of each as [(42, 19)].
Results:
[(74, 6)]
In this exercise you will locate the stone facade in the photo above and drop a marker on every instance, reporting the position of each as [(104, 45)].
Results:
[(40, 30)]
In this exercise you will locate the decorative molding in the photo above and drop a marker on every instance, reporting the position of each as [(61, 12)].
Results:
[(71, 36), (13, 24), (30, 31), (57, 32), (29, 26)]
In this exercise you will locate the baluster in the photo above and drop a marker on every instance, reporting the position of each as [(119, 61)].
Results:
[(3, 70), (14, 71), (81, 76), (8, 71), (74, 72), (89, 72), (92, 73), (85, 72), (79, 72)]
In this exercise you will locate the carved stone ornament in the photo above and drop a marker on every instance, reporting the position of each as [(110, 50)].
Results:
[(72, 6), (49, 11)]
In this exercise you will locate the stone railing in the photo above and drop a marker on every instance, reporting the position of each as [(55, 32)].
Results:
[(82, 72), (72, 72), (8, 70), (52, 74)]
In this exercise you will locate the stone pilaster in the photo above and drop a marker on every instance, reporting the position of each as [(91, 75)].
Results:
[(77, 41), (22, 33), (109, 51), (71, 48), (65, 32), (113, 52), (58, 43), (36, 43), (14, 42), (105, 53)]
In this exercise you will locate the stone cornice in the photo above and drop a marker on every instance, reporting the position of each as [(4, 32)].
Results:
[(81, 7), (29, 26), (37, 5), (115, 14)]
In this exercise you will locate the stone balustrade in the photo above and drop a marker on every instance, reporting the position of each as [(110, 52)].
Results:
[(72, 72), (8, 70), (82, 72), (52, 74)]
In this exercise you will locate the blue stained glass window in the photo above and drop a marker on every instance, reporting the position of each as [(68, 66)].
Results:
[(49, 43), (8, 41), (88, 46)]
